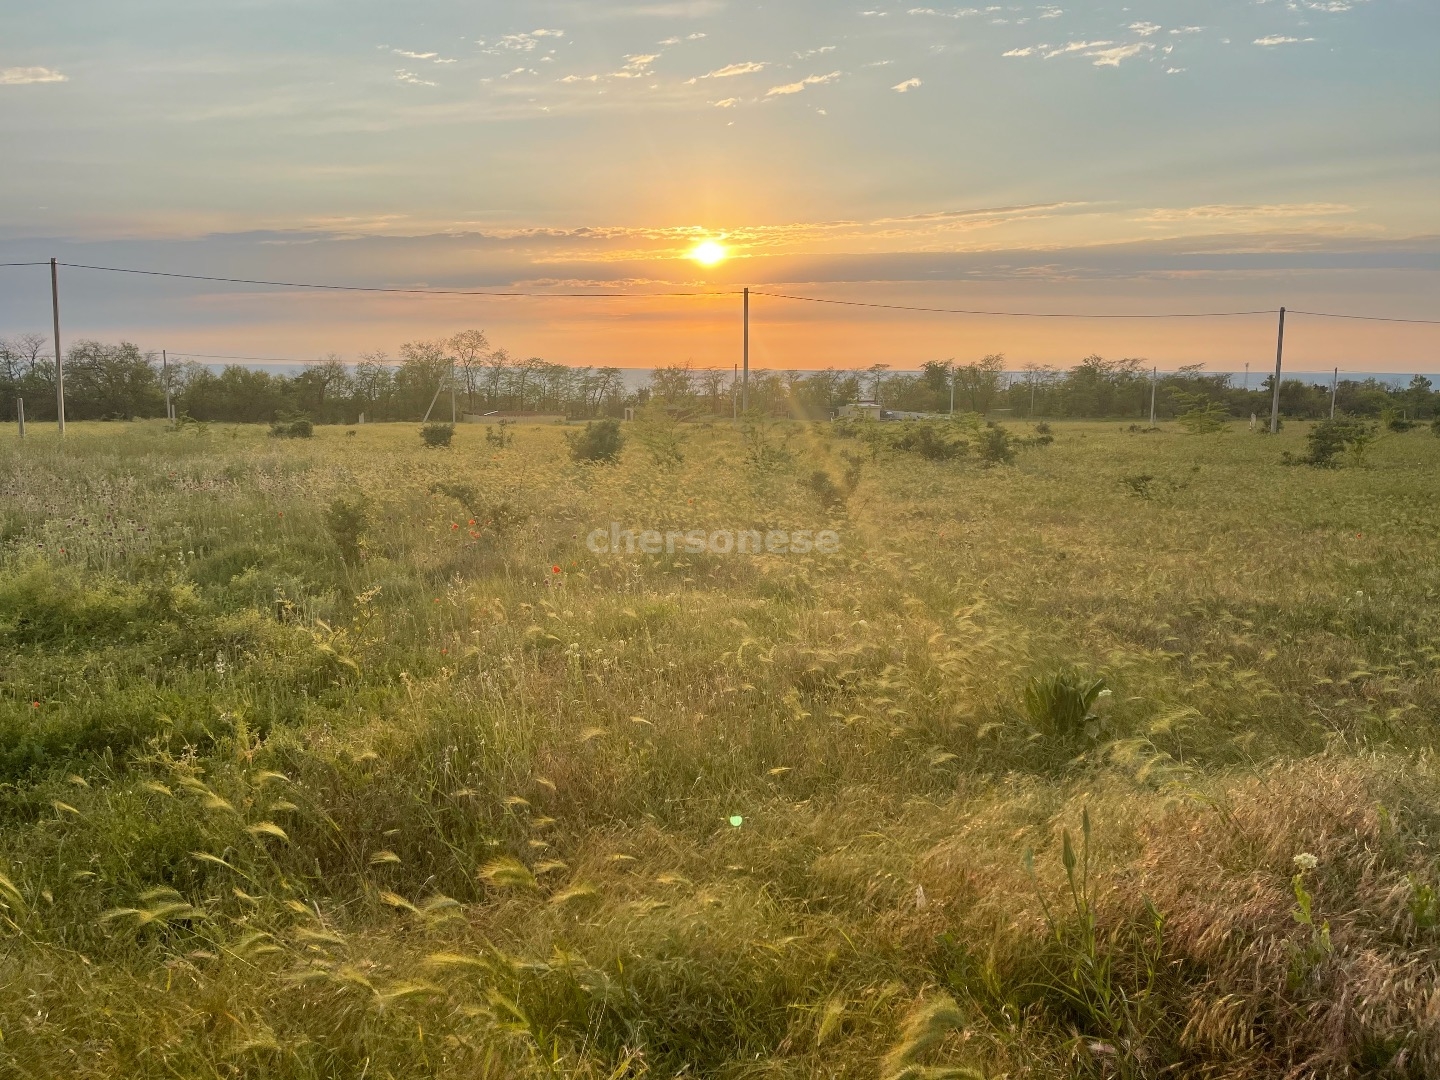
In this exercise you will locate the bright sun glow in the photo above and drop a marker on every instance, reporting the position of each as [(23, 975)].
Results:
[(709, 253)]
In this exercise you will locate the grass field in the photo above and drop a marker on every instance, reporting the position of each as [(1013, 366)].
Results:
[(346, 757)]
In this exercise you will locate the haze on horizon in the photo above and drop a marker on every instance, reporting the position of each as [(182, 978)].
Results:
[(1166, 155)]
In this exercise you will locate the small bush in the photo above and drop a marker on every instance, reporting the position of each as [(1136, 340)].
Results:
[(929, 442), (1329, 438), (1395, 420), (995, 445), (830, 494), (292, 427), (502, 439), (436, 435), (599, 441), (348, 519), (1043, 428)]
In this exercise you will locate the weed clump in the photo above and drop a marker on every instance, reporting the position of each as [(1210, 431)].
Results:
[(600, 441)]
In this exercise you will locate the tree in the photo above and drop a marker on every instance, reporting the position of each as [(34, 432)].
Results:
[(470, 348), (978, 384)]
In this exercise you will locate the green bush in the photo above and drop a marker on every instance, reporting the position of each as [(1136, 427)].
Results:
[(292, 427), (929, 442), (1329, 438), (347, 519), (995, 445), (601, 440), (436, 435)]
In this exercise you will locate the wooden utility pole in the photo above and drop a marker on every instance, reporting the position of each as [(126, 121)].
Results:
[(745, 382), (1279, 359), (59, 364), (20, 415), (1334, 389), (1154, 378)]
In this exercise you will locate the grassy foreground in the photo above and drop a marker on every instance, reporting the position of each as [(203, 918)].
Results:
[(346, 758)]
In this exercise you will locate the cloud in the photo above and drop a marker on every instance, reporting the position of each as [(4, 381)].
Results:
[(1279, 39), (26, 76), (1230, 212), (726, 103), (1027, 51), (1145, 29), (796, 87), (1048, 12), (527, 42), (410, 77), (636, 67), (958, 13), (906, 86), (747, 67), (1076, 46), (1112, 57)]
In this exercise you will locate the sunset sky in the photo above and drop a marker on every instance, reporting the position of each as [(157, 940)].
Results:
[(1165, 155)]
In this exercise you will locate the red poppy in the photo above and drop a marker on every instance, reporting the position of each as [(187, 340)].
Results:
[(555, 569), (453, 526), (472, 521), (34, 704)]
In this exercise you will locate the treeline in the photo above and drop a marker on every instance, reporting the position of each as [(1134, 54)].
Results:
[(105, 382), (121, 382)]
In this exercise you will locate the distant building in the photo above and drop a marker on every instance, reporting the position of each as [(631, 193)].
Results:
[(861, 410)]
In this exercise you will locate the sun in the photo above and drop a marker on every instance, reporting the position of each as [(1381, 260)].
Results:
[(709, 252)]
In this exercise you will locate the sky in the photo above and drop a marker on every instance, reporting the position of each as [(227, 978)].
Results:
[(1161, 156)]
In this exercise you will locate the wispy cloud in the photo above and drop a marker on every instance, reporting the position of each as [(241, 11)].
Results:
[(906, 86), (1145, 29), (410, 77), (796, 87), (1112, 57), (527, 42), (1029, 50), (1238, 212), (746, 67), (26, 76), (1279, 39)]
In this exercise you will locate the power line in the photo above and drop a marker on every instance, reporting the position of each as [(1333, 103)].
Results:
[(388, 289), (1016, 314), (258, 359), (1365, 318), (417, 291)]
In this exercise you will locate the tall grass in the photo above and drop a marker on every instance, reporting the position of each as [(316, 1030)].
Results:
[(342, 757)]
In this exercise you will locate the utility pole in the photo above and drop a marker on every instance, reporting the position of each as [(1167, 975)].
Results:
[(452, 393), (1334, 388), (745, 383), (1247, 375), (20, 415), (1279, 357), (165, 368), (735, 391), (1154, 378), (952, 388), (59, 364)]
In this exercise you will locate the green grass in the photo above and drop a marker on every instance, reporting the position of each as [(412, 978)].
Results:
[(312, 765)]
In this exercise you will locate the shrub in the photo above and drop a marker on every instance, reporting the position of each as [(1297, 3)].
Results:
[(436, 435), (502, 439), (600, 441), (347, 519), (1435, 426), (292, 427), (929, 442), (825, 489), (995, 445), (1043, 428), (1329, 438), (660, 433), (1395, 420)]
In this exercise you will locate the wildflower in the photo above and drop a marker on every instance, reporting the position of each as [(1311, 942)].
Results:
[(472, 521), (437, 599), (34, 704), (453, 526), (282, 513), (1306, 861), (555, 569)]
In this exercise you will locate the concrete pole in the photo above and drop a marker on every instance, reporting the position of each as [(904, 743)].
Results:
[(745, 382), (1279, 358), (59, 364)]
